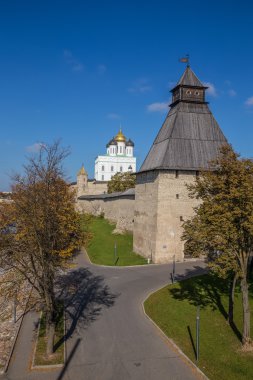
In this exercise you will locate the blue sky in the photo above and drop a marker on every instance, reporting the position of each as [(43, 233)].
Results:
[(75, 70)]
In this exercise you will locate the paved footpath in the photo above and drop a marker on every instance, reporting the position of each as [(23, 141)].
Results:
[(108, 335)]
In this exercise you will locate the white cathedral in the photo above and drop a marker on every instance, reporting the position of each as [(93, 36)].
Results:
[(119, 158)]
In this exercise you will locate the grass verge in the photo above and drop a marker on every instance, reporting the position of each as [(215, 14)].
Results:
[(173, 309), (101, 247), (40, 357)]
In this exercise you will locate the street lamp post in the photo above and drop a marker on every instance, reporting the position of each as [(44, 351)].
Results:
[(115, 252), (197, 334)]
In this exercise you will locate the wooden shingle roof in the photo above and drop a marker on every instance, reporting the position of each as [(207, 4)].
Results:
[(189, 138), (189, 78)]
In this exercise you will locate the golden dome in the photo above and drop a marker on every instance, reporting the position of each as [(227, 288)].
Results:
[(82, 171), (120, 137)]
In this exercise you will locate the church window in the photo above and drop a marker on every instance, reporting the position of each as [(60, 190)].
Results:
[(103, 168), (112, 168), (188, 92), (121, 169), (103, 177), (197, 93), (130, 167), (120, 149)]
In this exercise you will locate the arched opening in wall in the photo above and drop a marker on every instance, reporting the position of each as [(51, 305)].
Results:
[(130, 169)]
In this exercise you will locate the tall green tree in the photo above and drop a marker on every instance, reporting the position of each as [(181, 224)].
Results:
[(47, 231), (121, 182), (222, 227)]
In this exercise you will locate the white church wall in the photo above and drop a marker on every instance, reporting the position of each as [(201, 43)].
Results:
[(106, 167)]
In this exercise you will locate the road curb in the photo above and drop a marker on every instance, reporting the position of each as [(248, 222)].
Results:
[(171, 342), (83, 250)]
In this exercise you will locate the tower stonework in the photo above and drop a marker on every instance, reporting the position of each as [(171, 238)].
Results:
[(188, 139), (82, 182)]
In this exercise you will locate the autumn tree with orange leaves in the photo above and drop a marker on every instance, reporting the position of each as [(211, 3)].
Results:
[(47, 231)]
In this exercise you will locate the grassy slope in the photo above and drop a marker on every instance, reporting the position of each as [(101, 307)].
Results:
[(173, 308), (101, 246)]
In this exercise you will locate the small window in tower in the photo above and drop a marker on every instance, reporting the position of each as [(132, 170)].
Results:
[(103, 177), (196, 93), (121, 169), (120, 149), (188, 92), (112, 168), (103, 168)]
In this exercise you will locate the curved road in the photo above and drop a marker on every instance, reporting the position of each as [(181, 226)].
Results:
[(108, 335)]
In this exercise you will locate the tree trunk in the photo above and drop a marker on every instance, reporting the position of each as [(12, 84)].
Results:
[(50, 322), (50, 337), (246, 341), (231, 299)]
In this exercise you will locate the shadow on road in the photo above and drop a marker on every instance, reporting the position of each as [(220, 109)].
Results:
[(72, 353), (84, 295)]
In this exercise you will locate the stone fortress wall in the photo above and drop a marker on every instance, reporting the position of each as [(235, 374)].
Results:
[(92, 187), (155, 210), (118, 208)]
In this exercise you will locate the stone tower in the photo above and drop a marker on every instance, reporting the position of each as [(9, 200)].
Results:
[(82, 182), (188, 139)]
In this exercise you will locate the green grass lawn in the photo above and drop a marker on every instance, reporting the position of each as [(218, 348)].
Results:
[(173, 309), (40, 354), (101, 246)]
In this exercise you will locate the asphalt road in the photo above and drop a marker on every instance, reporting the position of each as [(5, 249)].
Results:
[(108, 335)]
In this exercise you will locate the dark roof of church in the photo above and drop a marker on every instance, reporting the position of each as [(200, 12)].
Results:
[(129, 143), (189, 78), (189, 138)]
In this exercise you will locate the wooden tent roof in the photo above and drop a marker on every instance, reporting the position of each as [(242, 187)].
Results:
[(189, 138)]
